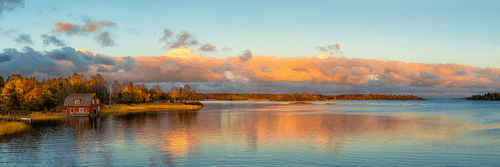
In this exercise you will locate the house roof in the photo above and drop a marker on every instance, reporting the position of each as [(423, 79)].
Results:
[(85, 100)]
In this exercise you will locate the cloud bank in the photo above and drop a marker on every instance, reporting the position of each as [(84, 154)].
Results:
[(248, 73)]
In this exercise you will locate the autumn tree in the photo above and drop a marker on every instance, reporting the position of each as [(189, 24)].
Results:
[(174, 93)]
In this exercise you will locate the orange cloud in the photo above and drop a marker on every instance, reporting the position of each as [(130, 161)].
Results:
[(68, 28), (72, 29)]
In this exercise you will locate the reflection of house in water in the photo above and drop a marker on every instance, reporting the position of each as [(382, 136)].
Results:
[(83, 123), (82, 104)]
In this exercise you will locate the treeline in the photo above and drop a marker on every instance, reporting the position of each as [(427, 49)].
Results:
[(127, 93), (29, 94), (486, 96), (305, 97)]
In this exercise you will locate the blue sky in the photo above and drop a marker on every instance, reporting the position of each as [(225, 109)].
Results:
[(463, 32), (460, 32)]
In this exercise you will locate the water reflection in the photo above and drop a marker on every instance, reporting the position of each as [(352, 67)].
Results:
[(238, 131)]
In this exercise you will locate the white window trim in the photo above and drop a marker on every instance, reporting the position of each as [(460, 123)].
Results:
[(92, 101), (97, 101), (71, 110), (99, 108), (81, 110), (77, 101)]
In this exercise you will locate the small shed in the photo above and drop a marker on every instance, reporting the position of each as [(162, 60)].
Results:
[(82, 104)]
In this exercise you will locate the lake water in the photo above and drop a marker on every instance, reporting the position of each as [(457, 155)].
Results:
[(439, 132)]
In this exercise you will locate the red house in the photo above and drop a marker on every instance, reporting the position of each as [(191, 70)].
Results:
[(84, 104)]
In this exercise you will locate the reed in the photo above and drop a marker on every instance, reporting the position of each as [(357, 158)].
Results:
[(7, 128), (36, 115), (120, 109), (42, 117)]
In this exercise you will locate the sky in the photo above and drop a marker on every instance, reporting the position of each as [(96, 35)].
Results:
[(426, 48)]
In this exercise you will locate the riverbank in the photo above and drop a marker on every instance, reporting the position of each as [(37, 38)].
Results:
[(121, 109), (12, 127)]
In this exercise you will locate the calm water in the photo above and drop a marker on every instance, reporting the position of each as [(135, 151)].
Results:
[(441, 132)]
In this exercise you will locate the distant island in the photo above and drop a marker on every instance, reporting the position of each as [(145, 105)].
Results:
[(486, 96), (303, 97)]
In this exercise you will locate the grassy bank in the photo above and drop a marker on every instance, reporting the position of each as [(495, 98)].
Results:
[(120, 109), (36, 115), (7, 128)]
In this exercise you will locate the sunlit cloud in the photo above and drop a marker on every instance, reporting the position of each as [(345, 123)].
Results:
[(247, 73), (330, 49), (73, 29)]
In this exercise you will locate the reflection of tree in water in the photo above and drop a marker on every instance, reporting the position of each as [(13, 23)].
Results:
[(90, 132), (173, 133), (131, 120), (182, 118)]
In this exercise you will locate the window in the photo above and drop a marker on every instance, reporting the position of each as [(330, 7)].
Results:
[(77, 101), (72, 110), (92, 101), (97, 101), (99, 108), (81, 110)]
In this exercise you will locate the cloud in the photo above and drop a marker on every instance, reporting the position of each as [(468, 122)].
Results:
[(93, 26), (249, 73), (105, 40), (73, 29), (184, 39), (10, 5), (246, 55), (9, 31), (226, 48), (166, 34), (47, 40), (68, 28), (208, 48), (24, 39), (102, 69), (23, 62), (330, 49), (104, 60)]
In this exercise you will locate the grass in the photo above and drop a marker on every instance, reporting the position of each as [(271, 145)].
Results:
[(36, 115), (120, 109), (7, 128)]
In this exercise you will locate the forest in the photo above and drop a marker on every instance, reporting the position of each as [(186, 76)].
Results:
[(486, 96), (23, 94)]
